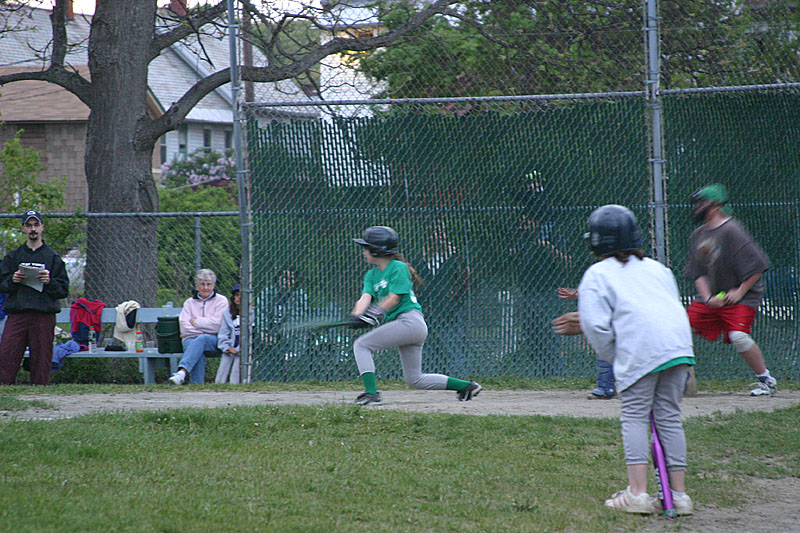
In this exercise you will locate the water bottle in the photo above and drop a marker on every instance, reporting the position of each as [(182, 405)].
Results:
[(139, 342), (92, 341)]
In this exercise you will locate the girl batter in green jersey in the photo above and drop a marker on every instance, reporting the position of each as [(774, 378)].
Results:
[(388, 302)]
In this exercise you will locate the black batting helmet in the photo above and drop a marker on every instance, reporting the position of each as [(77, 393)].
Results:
[(381, 241), (612, 228)]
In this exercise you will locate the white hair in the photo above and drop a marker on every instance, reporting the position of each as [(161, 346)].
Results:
[(205, 274)]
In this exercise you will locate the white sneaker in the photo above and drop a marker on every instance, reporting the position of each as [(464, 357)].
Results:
[(765, 386), (683, 504), (624, 500), (177, 378)]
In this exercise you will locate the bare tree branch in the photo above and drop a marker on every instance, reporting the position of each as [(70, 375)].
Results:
[(272, 73), (58, 75), (188, 26), (177, 112)]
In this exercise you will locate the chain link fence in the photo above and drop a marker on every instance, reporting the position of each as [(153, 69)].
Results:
[(488, 211), (487, 146)]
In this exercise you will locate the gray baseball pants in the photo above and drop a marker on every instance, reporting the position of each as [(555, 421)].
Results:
[(661, 393), (407, 332)]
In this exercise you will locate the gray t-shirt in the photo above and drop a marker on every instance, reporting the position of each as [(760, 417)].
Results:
[(727, 255)]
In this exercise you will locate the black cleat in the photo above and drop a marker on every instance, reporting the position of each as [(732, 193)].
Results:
[(366, 398), (469, 392)]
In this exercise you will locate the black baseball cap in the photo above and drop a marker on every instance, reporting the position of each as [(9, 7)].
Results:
[(32, 214)]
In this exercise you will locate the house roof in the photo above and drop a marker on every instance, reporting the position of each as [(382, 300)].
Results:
[(39, 101), (28, 35)]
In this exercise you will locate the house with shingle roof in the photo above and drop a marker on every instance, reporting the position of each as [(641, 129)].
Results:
[(54, 121)]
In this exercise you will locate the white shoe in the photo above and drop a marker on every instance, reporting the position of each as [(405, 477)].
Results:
[(765, 386), (683, 504), (624, 500), (177, 378)]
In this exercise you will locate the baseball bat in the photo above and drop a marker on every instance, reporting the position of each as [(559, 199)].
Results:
[(662, 477), (316, 324)]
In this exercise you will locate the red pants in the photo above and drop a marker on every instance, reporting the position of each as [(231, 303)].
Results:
[(23, 330), (709, 322)]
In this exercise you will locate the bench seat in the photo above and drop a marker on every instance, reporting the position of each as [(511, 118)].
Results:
[(150, 359)]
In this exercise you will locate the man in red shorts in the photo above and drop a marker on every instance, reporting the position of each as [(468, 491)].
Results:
[(726, 266)]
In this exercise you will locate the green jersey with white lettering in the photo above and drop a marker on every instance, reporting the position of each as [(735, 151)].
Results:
[(396, 279)]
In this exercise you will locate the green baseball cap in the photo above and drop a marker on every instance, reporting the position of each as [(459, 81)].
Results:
[(716, 193)]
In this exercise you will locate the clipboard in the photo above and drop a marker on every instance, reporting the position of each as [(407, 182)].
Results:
[(32, 277)]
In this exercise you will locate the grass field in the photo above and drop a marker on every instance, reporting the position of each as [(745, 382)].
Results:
[(285, 468)]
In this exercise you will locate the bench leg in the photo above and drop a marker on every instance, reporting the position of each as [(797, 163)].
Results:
[(149, 370)]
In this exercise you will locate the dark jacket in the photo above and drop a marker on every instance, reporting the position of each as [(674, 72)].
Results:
[(22, 298)]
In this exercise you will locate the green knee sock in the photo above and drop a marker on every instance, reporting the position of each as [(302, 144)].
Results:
[(370, 382), (456, 384)]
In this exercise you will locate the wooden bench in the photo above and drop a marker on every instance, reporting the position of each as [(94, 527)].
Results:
[(150, 359)]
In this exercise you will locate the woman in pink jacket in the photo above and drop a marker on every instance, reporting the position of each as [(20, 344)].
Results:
[(200, 320)]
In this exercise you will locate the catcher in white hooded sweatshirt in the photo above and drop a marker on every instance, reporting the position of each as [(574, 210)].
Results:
[(631, 313)]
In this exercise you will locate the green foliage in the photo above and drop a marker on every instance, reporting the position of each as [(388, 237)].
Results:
[(546, 46), (202, 199), (20, 191), (201, 166), (518, 48), (176, 240)]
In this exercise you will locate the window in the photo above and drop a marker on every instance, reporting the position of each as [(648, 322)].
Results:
[(183, 140), (228, 139), (163, 149), (207, 139)]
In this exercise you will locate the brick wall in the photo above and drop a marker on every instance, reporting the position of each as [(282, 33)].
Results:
[(66, 146), (61, 149)]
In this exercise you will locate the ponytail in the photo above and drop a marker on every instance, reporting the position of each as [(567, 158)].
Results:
[(415, 277)]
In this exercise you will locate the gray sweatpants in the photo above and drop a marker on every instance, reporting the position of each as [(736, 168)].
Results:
[(660, 393), (407, 332)]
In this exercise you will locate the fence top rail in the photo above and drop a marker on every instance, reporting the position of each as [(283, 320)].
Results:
[(132, 215), (732, 88), (447, 100), (517, 98)]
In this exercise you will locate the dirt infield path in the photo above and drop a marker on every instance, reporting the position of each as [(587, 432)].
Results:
[(506, 402), (773, 504)]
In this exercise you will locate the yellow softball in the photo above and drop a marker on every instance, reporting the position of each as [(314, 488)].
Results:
[(721, 295)]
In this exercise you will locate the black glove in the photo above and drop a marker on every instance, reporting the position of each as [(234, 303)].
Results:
[(372, 317), (356, 322)]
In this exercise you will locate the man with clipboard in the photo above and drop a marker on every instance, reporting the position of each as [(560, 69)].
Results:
[(35, 279)]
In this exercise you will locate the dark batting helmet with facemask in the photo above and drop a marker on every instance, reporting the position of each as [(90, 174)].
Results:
[(380, 240), (612, 228)]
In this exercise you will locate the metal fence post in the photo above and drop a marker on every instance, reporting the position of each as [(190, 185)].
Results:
[(656, 159), (245, 357)]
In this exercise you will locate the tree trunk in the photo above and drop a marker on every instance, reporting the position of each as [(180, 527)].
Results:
[(122, 251)]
